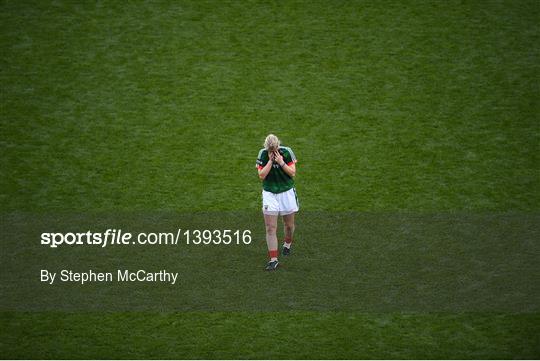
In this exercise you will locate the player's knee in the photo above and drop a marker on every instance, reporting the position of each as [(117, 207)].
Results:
[(271, 229), (289, 225), (289, 228)]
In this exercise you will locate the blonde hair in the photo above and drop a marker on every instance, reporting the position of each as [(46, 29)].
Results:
[(271, 142)]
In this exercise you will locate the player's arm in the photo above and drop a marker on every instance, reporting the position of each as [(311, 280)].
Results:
[(263, 171), (290, 168)]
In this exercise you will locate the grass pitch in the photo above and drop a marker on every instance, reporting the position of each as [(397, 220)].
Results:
[(390, 107)]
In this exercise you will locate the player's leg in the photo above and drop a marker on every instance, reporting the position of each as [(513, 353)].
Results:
[(271, 211), (288, 203), (288, 223), (270, 222)]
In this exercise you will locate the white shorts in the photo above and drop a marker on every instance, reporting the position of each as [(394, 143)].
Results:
[(280, 204)]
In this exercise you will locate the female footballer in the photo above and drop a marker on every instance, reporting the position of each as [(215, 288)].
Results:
[(276, 166)]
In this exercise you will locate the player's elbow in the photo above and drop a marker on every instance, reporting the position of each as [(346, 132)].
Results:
[(262, 176)]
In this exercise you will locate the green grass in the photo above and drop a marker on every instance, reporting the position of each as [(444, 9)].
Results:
[(391, 108), (428, 105), (270, 335)]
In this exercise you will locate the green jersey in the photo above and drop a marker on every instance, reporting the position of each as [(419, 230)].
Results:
[(277, 181)]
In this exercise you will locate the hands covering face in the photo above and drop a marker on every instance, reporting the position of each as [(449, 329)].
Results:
[(276, 157)]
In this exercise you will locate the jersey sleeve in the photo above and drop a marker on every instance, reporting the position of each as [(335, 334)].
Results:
[(289, 157), (260, 163)]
